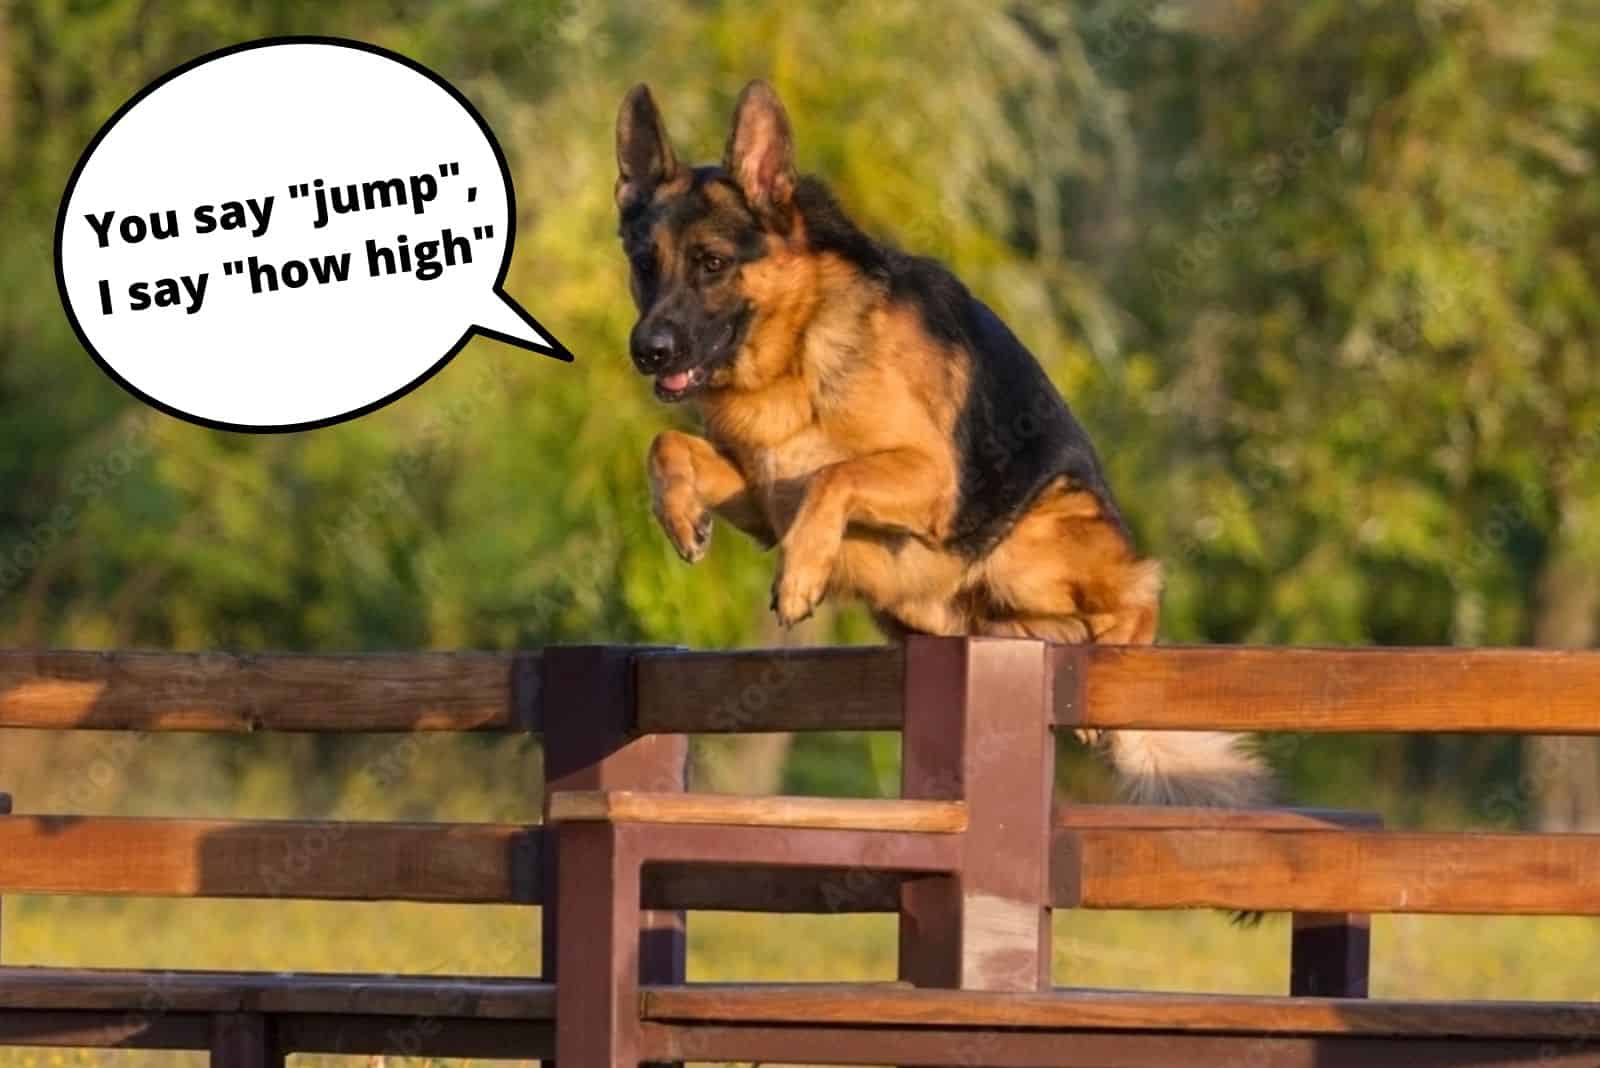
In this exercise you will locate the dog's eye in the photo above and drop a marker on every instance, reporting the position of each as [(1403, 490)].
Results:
[(711, 263)]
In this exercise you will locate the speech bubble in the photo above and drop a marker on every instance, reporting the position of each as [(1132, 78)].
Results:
[(289, 233)]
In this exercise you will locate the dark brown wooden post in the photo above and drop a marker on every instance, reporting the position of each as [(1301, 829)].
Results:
[(1329, 954), (978, 729), (244, 1040), (597, 996), (589, 744), (5, 810)]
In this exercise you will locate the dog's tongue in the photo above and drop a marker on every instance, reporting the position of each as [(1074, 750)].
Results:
[(675, 383)]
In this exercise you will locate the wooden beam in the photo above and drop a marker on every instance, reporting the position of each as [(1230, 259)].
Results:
[(840, 813), (275, 859), (795, 890), (245, 1040), (1319, 871), (845, 689), (1519, 691), (105, 1030), (590, 744), (222, 692), (1000, 1048), (100, 989), (891, 1004), (977, 732), (781, 890), (421, 1036), (1153, 818)]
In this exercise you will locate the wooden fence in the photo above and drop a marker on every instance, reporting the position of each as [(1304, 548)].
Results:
[(973, 856)]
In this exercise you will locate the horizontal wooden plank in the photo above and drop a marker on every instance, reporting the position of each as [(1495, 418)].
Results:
[(1213, 687), (891, 1004), (1151, 817), (346, 1034), (1320, 871), (780, 890), (285, 692), (1521, 691), (796, 890), (842, 689), (118, 1029), (277, 992), (423, 1036), (273, 859), (826, 813), (860, 1044)]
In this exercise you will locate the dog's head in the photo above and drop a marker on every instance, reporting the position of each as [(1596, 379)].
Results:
[(697, 238)]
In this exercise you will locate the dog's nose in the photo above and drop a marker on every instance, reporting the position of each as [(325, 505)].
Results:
[(654, 347)]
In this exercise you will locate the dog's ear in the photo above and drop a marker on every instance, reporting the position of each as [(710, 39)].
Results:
[(644, 155), (760, 154)]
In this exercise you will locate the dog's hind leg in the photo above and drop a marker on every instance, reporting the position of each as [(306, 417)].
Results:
[(1066, 573)]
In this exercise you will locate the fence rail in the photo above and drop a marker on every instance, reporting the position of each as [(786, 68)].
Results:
[(972, 858), (1521, 691)]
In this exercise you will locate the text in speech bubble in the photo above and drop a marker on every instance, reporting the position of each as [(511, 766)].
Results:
[(289, 233)]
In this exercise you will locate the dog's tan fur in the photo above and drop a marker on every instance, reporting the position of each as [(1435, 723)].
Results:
[(833, 435)]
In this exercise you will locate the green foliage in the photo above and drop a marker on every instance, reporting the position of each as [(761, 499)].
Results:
[(1318, 277)]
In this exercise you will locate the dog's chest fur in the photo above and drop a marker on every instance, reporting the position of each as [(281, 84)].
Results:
[(779, 461)]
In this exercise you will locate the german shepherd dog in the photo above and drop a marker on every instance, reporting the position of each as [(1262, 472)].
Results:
[(876, 422)]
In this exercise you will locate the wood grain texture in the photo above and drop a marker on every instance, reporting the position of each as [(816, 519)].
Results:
[(119, 1029), (1521, 691), (782, 890), (321, 1032), (245, 1040), (423, 1036), (826, 813), (222, 858), (753, 889), (844, 689), (931, 1046), (229, 693), (891, 1004), (1151, 818), (1320, 871), (279, 992), (1330, 954)]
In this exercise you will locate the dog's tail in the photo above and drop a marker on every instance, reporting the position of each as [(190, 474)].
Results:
[(1189, 768), (1183, 767)]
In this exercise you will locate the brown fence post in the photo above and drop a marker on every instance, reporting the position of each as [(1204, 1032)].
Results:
[(1329, 954), (590, 744), (244, 1040), (978, 729), (5, 810)]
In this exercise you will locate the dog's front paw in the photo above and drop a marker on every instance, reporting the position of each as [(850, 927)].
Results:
[(688, 525), (799, 587)]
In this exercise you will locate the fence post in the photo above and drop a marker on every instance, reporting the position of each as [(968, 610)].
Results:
[(590, 744), (5, 810), (978, 729), (244, 1040), (1329, 953)]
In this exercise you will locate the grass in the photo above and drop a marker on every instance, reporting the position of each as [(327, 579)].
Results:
[(1423, 957)]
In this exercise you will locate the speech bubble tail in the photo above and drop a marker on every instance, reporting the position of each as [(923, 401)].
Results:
[(505, 320)]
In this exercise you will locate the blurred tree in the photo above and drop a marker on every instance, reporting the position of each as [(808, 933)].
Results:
[(1318, 277), (1366, 281)]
